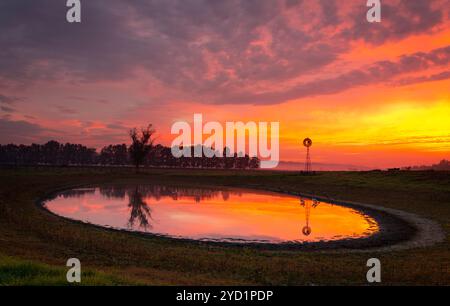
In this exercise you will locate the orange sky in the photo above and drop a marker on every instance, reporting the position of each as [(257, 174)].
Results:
[(370, 95)]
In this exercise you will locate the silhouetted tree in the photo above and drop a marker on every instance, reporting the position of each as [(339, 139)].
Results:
[(114, 155), (141, 144), (254, 163), (51, 153)]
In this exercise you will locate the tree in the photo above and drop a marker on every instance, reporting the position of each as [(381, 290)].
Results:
[(141, 144)]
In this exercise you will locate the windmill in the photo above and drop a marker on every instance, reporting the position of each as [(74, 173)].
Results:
[(307, 142)]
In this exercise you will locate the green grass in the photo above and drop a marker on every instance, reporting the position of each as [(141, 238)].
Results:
[(28, 273), (35, 244)]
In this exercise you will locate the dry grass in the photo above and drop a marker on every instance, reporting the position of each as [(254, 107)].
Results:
[(28, 233)]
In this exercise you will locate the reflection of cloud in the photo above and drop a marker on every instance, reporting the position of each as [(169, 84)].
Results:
[(113, 207), (240, 238)]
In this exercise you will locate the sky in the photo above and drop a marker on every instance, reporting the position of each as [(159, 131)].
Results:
[(369, 94)]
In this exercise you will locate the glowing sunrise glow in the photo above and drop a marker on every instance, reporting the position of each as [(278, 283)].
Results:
[(369, 95)]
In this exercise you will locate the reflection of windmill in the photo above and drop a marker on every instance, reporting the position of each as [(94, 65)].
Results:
[(307, 142), (306, 230)]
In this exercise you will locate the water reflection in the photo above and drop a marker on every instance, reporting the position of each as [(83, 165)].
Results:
[(139, 210), (156, 192), (306, 230), (213, 214)]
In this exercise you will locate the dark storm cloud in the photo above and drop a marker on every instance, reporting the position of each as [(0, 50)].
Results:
[(202, 48)]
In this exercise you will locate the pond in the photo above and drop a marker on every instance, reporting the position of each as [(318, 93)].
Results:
[(212, 214)]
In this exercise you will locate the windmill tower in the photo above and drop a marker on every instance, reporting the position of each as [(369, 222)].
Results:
[(307, 142)]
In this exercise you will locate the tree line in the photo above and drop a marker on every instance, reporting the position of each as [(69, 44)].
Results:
[(141, 152), (443, 165)]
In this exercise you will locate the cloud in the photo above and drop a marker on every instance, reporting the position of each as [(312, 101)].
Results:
[(428, 139), (66, 110), (96, 134), (400, 18), (234, 51), (8, 99), (19, 132), (117, 126), (7, 109), (422, 79), (379, 72)]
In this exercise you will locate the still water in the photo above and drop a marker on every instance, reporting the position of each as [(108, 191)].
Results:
[(232, 215)]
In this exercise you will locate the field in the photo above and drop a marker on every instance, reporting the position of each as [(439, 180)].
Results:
[(34, 244)]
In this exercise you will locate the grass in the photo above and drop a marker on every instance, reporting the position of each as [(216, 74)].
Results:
[(35, 244), (24, 272)]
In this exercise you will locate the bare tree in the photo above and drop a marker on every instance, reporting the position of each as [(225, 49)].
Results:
[(141, 144)]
